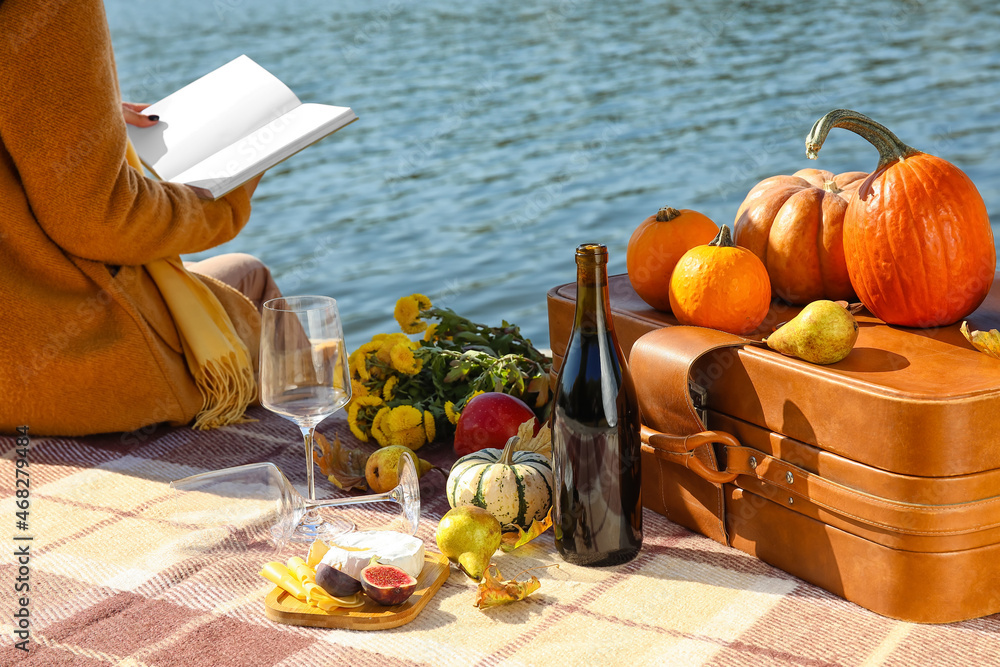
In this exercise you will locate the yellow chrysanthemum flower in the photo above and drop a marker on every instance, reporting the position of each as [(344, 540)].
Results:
[(430, 428), (358, 389), (352, 421), (369, 347), (431, 332), (389, 387), (402, 425), (387, 343), (381, 437), (403, 359), (449, 412), (358, 403), (414, 438), (358, 366), (403, 417), (407, 313)]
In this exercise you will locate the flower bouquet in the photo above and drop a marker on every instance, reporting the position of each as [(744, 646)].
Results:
[(407, 392)]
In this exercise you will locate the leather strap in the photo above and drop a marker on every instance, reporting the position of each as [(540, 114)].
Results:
[(661, 363)]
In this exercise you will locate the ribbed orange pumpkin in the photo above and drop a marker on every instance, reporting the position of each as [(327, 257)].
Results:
[(720, 286), (657, 244), (794, 224), (917, 238)]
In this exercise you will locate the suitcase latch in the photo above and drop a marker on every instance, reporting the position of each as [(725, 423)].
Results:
[(699, 398)]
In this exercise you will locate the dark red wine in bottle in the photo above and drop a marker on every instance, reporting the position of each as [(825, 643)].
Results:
[(597, 508)]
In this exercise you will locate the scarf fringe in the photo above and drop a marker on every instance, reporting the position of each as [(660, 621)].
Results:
[(227, 386)]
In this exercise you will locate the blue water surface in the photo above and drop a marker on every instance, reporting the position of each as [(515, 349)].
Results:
[(495, 137)]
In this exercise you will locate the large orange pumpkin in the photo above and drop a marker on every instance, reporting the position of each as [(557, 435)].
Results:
[(794, 224), (656, 245), (720, 286), (917, 238)]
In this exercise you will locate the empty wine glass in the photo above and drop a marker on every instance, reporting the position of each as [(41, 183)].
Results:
[(304, 377), (252, 502)]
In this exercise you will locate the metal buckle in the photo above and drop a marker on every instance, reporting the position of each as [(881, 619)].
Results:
[(699, 398)]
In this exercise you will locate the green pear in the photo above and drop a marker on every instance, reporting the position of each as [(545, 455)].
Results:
[(823, 333), (383, 467), (469, 536)]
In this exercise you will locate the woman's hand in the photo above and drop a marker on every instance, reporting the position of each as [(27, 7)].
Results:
[(133, 117), (132, 114)]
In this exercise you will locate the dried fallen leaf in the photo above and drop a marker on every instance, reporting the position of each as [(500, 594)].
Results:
[(343, 466), (987, 342), (514, 539), (540, 385), (527, 442), (495, 591)]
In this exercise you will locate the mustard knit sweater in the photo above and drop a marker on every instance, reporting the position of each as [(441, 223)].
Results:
[(86, 347)]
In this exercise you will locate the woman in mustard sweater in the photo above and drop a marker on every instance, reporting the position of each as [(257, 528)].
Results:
[(88, 249)]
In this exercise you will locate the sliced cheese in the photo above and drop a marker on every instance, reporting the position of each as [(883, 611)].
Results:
[(299, 580), (352, 552), (278, 574)]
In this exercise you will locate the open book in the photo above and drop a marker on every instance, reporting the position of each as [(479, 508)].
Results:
[(217, 133)]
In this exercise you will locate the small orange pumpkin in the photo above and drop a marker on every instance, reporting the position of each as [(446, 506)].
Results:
[(794, 224), (721, 286), (917, 238), (657, 244)]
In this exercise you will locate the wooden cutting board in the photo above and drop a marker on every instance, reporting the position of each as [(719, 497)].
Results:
[(284, 608)]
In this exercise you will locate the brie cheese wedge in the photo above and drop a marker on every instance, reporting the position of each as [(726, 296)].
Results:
[(353, 552)]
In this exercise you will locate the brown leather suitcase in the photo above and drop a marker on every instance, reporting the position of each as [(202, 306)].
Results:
[(876, 478)]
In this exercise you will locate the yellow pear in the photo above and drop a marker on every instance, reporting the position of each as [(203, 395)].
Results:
[(468, 536), (382, 468), (823, 333)]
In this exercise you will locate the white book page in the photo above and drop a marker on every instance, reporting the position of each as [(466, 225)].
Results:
[(265, 147), (209, 114)]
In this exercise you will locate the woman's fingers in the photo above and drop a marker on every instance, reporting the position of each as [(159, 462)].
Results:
[(132, 115)]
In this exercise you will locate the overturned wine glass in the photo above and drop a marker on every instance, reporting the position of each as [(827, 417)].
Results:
[(256, 502)]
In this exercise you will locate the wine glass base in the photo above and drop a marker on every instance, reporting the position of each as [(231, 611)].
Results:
[(325, 529)]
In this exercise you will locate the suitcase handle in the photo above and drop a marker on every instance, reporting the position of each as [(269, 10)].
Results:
[(681, 449)]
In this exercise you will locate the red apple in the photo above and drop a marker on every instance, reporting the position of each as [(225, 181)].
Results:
[(489, 420)]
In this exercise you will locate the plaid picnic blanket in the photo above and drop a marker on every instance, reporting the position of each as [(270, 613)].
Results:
[(111, 582)]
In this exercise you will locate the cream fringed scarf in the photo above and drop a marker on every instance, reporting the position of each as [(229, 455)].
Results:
[(215, 355)]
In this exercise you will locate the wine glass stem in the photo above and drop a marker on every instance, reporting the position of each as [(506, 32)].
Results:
[(307, 436), (313, 505)]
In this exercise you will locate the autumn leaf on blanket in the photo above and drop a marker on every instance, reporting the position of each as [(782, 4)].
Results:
[(987, 342), (343, 466), (518, 538), (495, 591)]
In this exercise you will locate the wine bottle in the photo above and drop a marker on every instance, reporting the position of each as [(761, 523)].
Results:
[(597, 513)]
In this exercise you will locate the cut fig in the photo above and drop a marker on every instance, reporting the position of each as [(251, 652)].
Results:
[(386, 584), (336, 583)]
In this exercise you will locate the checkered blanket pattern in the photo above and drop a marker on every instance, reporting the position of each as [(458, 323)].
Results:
[(112, 582)]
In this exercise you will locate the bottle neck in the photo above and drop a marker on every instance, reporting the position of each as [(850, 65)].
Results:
[(593, 304)]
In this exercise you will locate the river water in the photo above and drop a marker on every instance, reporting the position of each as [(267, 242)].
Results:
[(495, 137)]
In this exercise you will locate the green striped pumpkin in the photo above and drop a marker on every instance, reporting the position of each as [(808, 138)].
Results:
[(514, 486)]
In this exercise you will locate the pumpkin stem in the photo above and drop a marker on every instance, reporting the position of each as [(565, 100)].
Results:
[(723, 239), (890, 148), (666, 214), (507, 455), (832, 187)]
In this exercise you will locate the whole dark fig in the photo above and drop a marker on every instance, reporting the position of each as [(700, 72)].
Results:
[(335, 582), (386, 584)]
